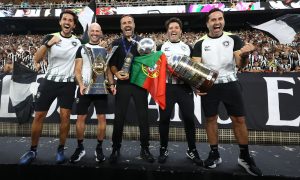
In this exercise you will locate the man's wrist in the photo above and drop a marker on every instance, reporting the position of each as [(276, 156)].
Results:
[(47, 45)]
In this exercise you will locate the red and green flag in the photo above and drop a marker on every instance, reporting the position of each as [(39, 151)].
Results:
[(149, 72)]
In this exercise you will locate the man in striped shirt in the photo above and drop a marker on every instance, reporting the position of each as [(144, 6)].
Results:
[(59, 83), (223, 51), (177, 92)]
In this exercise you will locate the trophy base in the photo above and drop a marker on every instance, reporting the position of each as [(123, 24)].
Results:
[(97, 88)]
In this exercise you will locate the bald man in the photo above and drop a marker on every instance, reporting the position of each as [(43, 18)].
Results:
[(83, 101)]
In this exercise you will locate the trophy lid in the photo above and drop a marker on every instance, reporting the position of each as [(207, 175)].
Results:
[(146, 46)]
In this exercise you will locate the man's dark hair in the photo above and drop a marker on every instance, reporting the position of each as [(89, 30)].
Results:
[(212, 11), (171, 20), (126, 15), (75, 17)]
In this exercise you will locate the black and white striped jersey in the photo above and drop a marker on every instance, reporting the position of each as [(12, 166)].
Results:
[(61, 58), (217, 53)]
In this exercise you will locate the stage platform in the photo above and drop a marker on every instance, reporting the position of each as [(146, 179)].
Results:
[(276, 162)]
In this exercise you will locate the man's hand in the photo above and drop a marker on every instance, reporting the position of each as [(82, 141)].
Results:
[(199, 93), (82, 89), (53, 40), (113, 89), (103, 43), (247, 48), (122, 76)]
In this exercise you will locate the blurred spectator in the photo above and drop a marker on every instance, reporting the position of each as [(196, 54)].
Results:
[(297, 68)]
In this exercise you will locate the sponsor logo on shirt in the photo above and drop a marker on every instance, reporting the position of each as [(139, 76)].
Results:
[(207, 48)]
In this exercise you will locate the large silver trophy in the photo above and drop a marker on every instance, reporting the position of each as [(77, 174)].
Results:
[(195, 74), (97, 82)]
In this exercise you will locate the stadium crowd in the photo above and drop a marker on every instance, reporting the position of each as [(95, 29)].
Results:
[(269, 56), (114, 3)]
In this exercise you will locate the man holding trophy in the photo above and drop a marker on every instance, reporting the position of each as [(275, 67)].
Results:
[(120, 64), (95, 81), (224, 51), (177, 92)]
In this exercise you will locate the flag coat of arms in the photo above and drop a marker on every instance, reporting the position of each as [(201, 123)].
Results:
[(149, 72)]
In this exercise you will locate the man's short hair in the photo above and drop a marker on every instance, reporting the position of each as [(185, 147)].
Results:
[(171, 20), (75, 17), (212, 11), (126, 15)]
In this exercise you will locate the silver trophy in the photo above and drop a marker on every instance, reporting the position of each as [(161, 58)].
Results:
[(146, 46), (127, 64), (97, 82), (195, 74)]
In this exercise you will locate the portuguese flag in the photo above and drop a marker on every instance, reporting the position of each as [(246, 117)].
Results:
[(149, 72)]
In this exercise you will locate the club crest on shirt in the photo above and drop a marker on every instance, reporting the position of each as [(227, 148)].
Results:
[(74, 43), (226, 43)]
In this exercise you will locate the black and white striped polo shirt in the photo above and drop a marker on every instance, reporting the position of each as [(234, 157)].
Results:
[(61, 58)]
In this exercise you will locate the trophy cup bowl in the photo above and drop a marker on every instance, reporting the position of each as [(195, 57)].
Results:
[(195, 74)]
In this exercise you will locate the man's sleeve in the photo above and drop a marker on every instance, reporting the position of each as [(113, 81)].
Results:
[(78, 53), (114, 59), (238, 42), (47, 38), (158, 48), (197, 51), (191, 50)]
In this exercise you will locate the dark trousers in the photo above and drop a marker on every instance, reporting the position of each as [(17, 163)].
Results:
[(139, 95), (183, 95)]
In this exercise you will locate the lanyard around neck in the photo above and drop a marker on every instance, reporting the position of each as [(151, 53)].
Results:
[(127, 50)]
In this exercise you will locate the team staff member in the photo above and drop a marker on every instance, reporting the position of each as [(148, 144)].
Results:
[(82, 74), (125, 90), (223, 51), (59, 83), (177, 92)]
